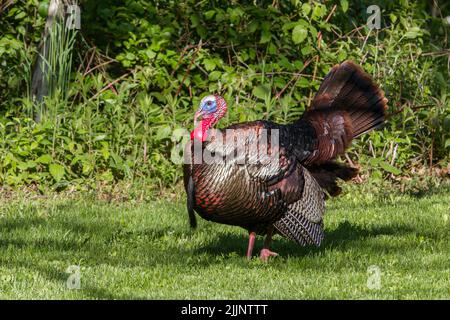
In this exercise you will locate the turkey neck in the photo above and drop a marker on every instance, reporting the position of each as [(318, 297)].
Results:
[(200, 131)]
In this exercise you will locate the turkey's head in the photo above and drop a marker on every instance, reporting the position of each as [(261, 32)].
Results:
[(211, 109)]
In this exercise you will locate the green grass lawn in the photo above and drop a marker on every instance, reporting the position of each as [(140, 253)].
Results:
[(128, 251)]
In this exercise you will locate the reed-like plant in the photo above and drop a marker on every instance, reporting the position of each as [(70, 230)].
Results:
[(57, 66)]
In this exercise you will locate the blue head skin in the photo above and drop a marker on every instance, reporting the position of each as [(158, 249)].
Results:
[(211, 109), (207, 108)]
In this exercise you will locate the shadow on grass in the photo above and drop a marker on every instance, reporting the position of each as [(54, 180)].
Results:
[(420, 190), (20, 223), (344, 237), (427, 192), (94, 241)]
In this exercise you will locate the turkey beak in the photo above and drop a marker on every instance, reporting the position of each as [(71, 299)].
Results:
[(198, 114)]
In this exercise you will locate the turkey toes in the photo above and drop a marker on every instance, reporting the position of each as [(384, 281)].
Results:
[(266, 253)]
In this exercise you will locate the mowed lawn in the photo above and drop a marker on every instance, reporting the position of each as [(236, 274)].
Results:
[(375, 248)]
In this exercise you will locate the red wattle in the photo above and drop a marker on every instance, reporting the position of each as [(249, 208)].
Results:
[(201, 131)]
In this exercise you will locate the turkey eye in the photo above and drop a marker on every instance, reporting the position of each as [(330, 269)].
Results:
[(209, 103)]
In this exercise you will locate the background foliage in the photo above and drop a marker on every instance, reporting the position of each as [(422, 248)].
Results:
[(141, 67)]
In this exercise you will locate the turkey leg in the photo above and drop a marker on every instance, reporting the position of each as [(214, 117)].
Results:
[(265, 252), (251, 243)]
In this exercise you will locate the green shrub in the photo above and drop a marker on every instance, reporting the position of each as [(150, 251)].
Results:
[(140, 73)]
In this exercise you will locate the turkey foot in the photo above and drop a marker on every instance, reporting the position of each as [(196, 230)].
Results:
[(266, 253)]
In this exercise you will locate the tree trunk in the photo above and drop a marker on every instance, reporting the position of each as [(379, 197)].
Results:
[(39, 84)]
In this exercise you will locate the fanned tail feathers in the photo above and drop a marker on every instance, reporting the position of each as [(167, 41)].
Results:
[(348, 104)]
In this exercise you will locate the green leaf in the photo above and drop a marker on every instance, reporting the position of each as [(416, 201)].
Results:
[(413, 32), (447, 143), (87, 168), (106, 176), (299, 34), (387, 167), (306, 8), (319, 11), (344, 5), (163, 133), (342, 55), (43, 9), (209, 64), (57, 171), (31, 164), (306, 50), (45, 159), (195, 20), (22, 166), (100, 137), (261, 91), (265, 36), (150, 53), (130, 56), (209, 14), (215, 75), (304, 83), (201, 31), (20, 15), (393, 17), (253, 26), (374, 162)]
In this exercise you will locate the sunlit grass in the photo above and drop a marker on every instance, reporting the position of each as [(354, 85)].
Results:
[(147, 251)]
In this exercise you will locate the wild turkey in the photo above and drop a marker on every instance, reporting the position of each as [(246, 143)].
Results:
[(284, 196)]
